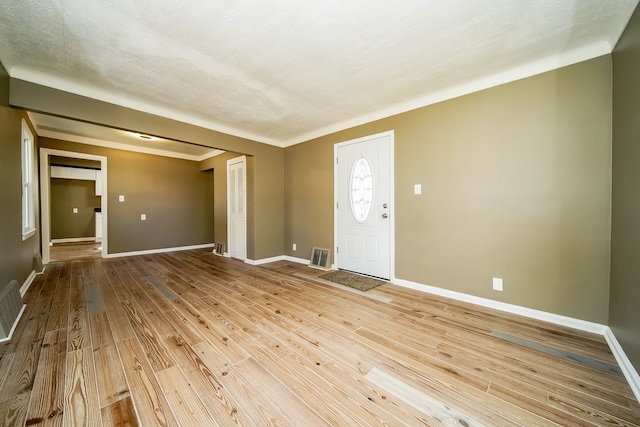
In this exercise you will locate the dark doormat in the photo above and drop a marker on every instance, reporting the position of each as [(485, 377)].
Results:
[(356, 281)]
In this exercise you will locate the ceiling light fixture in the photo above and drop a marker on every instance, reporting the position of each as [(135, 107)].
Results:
[(142, 136)]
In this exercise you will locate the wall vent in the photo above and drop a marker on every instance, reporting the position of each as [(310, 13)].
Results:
[(320, 258), (10, 306)]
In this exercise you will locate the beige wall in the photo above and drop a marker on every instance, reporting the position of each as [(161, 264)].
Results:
[(267, 217), (309, 194), (16, 256), (624, 317), (515, 184), (65, 195), (174, 194)]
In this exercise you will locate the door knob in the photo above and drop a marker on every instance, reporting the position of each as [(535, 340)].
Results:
[(384, 215)]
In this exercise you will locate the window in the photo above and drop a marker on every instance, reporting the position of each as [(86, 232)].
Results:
[(361, 195), (28, 183)]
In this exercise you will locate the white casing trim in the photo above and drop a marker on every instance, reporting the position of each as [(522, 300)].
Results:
[(74, 240), (15, 323), (161, 250), (237, 160), (623, 361), (392, 228), (557, 319), (45, 198)]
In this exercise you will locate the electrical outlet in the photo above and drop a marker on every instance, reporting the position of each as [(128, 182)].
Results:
[(75, 210), (417, 189), (143, 217), (294, 246), (121, 198), (497, 284)]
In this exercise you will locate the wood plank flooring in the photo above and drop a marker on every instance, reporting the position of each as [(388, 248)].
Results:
[(74, 251), (192, 339)]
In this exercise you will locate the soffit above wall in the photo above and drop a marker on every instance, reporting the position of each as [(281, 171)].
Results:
[(286, 71), (102, 136)]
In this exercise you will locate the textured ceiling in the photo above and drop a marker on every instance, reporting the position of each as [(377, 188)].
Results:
[(285, 71)]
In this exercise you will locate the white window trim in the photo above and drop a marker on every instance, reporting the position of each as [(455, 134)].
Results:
[(29, 182)]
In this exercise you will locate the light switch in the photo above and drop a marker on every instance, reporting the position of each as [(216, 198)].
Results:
[(121, 198), (143, 217), (75, 210), (417, 189)]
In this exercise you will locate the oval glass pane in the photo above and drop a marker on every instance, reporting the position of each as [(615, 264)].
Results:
[(361, 194)]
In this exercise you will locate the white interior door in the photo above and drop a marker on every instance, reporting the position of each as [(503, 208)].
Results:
[(364, 205), (237, 207)]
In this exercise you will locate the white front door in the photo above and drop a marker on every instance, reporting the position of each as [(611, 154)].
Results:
[(237, 207), (364, 174)]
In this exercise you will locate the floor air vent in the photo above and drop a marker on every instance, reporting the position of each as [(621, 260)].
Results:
[(38, 266), (10, 306), (320, 258), (219, 249)]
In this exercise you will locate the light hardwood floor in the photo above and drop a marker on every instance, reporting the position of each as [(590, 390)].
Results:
[(72, 251), (192, 339)]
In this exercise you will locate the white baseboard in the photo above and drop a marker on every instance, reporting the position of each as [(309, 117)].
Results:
[(286, 258), (23, 290), (630, 373), (162, 250), (73, 240), (264, 260), (627, 368), (297, 260), (224, 254), (15, 324), (27, 283), (283, 258), (557, 319)]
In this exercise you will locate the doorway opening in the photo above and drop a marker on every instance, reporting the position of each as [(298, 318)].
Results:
[(73, 248)]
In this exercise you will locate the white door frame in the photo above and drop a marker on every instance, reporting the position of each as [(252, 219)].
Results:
[(45, 198), (239, 159), (392, 232)]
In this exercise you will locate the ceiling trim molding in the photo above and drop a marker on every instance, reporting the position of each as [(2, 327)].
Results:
[(49, 133), (65, 85), (528, 70), (531, 69)]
